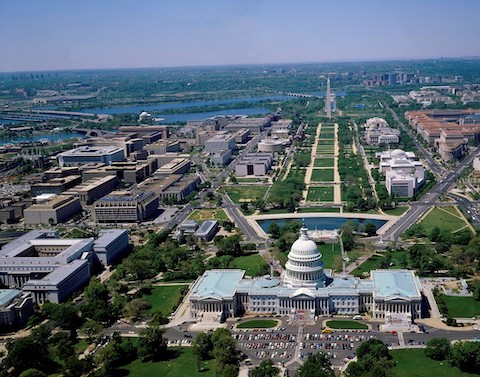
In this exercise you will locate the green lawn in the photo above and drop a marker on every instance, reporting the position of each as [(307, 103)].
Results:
[(164, 298), (251, 193), (182, 364), (320, 194), (253, 264), (81, 345), (327, 134), (374, 262), (444, 220), (399, 211), (322, 175), (327, 162), (208, 214), (462, 307), (331, 256), (319, 209), (341, 324), (414, 363), (258, 324), (326, 141)]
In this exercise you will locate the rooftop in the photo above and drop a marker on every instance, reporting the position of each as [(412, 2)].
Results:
[(395, 283), (217, 284)]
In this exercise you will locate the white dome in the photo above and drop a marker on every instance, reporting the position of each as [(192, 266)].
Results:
[(397, 153), (304, 266)]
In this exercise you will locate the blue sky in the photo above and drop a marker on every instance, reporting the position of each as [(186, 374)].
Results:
[(83, 34)]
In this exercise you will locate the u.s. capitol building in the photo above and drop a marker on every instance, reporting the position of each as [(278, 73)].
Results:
[(307, 289)]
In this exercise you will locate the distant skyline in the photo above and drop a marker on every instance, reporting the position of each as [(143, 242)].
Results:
[(90, 34)]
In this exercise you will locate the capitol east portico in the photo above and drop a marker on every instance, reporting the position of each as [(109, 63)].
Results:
[(305, 289)]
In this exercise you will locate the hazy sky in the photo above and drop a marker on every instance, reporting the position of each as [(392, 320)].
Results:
[(69, 34)]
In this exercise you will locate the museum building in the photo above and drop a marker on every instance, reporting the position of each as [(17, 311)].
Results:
[(305, 289)]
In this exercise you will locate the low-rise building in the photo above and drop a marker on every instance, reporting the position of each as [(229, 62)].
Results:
[(377, 132), (57, 210), (241, 136), (404, 175), (254, 125), (124, 207), (220, 142), (15, 307), (164, 146), (221, 157), (174, 187), (271, 145), (93, 189), (476, 163), (52, 268), (256, 164), (55, 185), (60, 172), (84, 155), (207, 230), (176, 166)]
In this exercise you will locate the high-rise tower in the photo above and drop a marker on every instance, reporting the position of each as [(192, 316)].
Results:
[(328, 100)]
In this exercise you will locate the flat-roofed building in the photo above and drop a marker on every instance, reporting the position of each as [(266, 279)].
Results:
[(129, 171), (111, 245), (93, 189), (128, 143), (57, 210), (84, 155), (404, 174), (452, 144), (255, 125), (164, 146), (476, 163), (241, 136), (255, 164), (207, 230), (55, 185), (60, 172), (162, 159), (175, 186), (176, 166), (220, 142), (124, 207), (52, 268), (15, 307), (377, 132), (221, 158)]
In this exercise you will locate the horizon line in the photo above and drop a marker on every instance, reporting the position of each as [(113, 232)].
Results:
[(370, 60)]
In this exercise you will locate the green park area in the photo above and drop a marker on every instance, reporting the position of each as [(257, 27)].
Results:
[(399, 211), (413, 363), (327, 134), (180, 362), (249, 193), (253, 264), (398, 259), (327, 162), (325, 149), (461, 307), (258, 324), (208, 214), (165, 298), (319, 210), (345, 324), (331, 256), (326, 141), (446, 218), (322, 175), (320, 194)]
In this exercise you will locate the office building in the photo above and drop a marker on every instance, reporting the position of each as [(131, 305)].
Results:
[(57, 210), (84, 155), (55, 185), (220, 142), (176, 166), (221, 158), (255, 164), (15, 307), (52, 268), (93, 189), (254, 125), (124, 207), (164, 146), (174, 187), (207, 230)]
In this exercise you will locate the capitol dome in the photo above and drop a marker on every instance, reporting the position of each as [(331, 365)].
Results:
[(304, 266)]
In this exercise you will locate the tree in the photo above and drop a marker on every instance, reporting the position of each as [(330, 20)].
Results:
[(136, 309), (466, 356), (274, 230), (91, 329), (265, 369), (438, 349), (203, 346), (64, 315), (32, 372), (151, 343), (35, 348), (373, 359), (230, 246), (316, 365), (224, 352), (371, 229)]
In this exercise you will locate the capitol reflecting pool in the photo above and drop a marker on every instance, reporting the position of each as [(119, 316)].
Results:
[(320, 223)]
